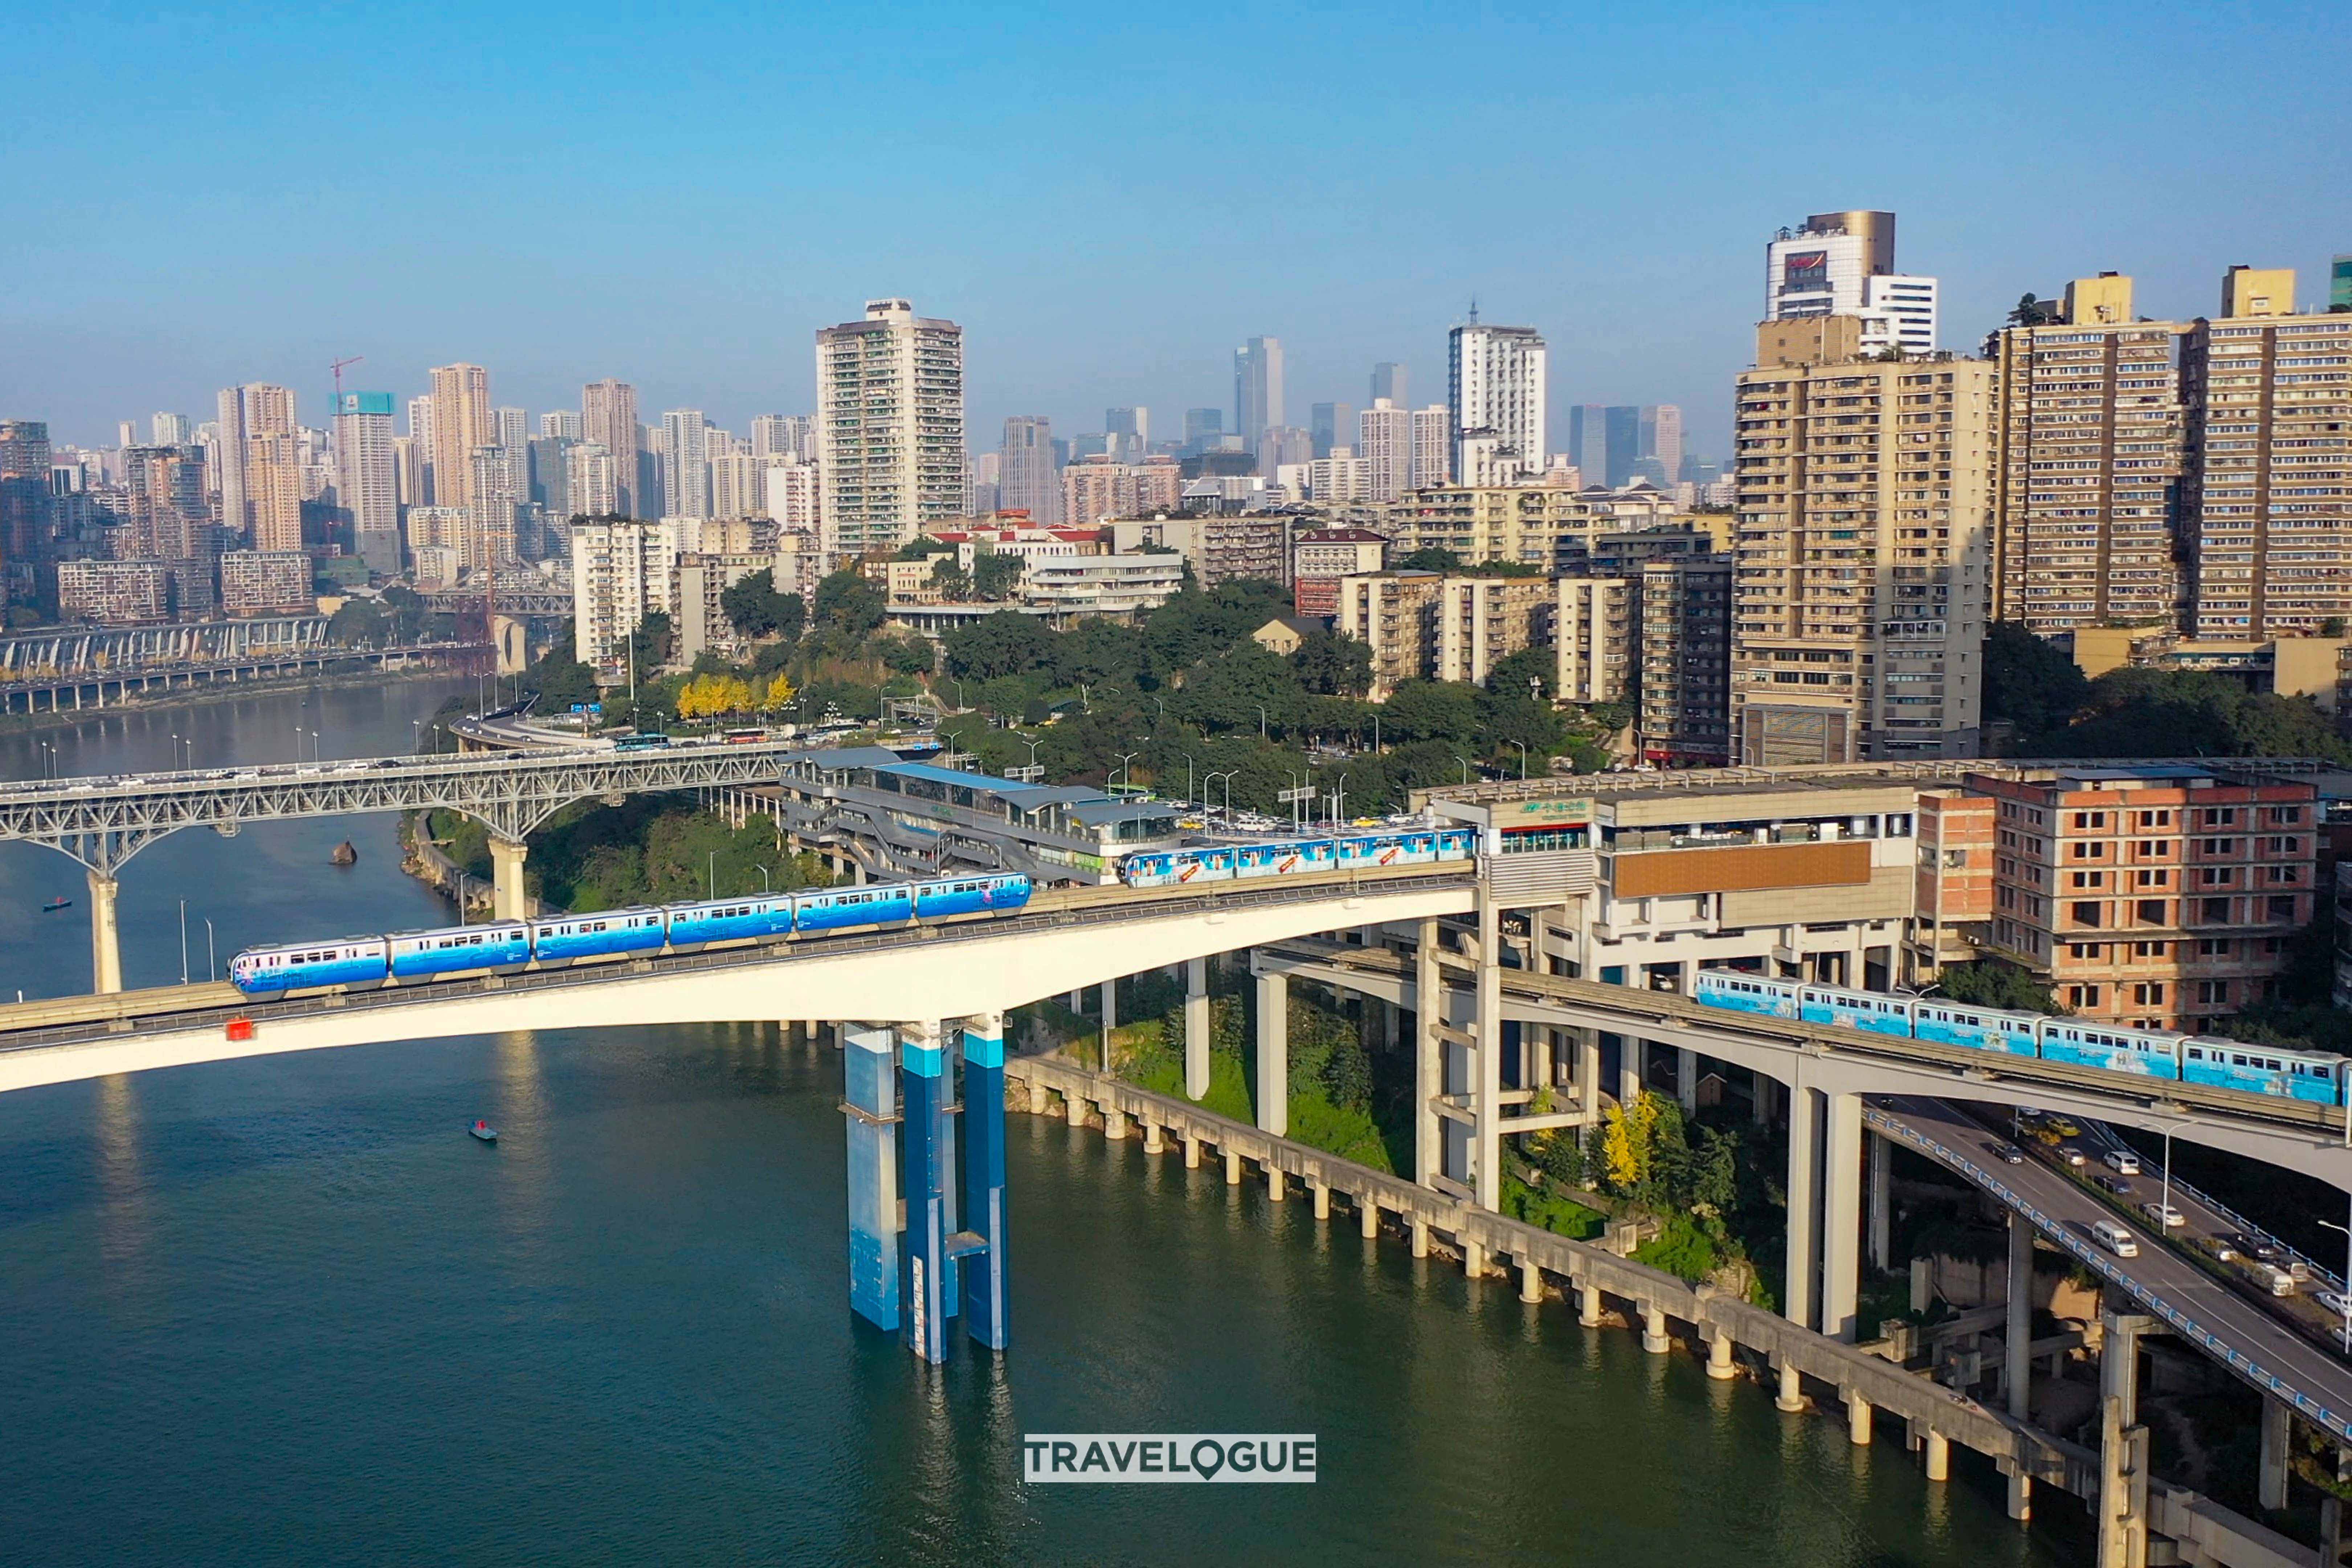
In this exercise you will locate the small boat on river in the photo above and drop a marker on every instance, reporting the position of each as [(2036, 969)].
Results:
[(485, 1132), (54, 905)]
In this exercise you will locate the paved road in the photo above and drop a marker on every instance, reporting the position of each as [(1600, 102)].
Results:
[(2256, 1345)]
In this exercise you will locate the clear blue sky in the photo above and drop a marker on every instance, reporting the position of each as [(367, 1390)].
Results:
[(1108, 201)]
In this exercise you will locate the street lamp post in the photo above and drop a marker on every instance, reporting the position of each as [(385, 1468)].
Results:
[(1340, 802), (711, 862), (2346, 1339), (183, 942), (766, 886), (212, 954), (1126, 774), (1522, 745)]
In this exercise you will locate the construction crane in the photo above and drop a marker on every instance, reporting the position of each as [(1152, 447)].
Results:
[(338, 368)]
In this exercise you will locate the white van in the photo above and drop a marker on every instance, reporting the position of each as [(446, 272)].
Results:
[(2122, 1161), (2115, 1238), (2279, 1281)]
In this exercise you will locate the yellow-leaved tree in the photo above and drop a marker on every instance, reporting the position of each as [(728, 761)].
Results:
[(778, 696), (1628, 1142)]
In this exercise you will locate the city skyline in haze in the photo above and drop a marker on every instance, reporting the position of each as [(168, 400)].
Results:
[(661, 214)]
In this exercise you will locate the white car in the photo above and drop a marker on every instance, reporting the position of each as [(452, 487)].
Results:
[(2122, 1161), (2332, 1301), (2163, 1214)]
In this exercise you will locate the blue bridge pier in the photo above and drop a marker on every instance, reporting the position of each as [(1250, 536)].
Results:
[(912, 1263)]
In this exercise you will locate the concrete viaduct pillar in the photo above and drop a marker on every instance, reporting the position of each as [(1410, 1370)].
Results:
[(105, 935), (1486, 1156), (2123, 1446), (507, 900), (1797, 1296), (1882, 1201), (1428, 1057), (983, 1185), (870, 1105), (2276, 1426), (1109, 1019), (1196, 1028), (1842, 1217), (2018, 1350), (1273, 1053)]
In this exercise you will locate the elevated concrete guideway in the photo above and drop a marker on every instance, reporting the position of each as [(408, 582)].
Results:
[(103, 822), (914, 975)]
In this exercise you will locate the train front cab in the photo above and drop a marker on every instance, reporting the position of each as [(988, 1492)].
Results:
[(274, 971)]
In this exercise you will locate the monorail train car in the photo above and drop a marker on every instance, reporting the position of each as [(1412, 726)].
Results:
[(1296, 857), (2142, 1053), (565, 940)]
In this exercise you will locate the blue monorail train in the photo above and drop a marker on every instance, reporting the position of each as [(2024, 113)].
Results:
[(1296, 857), (2146, 1053), (408, 957)]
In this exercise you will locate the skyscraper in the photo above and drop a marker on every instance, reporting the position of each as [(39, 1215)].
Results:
[(1496, 388), (559, 423), (685, 473), (1257, 388), (1842, 264), (1588, 442), (461, 422), (1026, 477), (1202, 427), (255, 409), (24, 503), (1330, 424), (2340, 284), (1130, 430), (420, 439), (608, 420), (1387, 381), (366, 484), (890, 427), (1666, 423), (792, 436), (1432, 447), (170, 429)]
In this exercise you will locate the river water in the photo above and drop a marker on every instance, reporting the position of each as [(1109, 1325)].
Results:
[(285, 1312)]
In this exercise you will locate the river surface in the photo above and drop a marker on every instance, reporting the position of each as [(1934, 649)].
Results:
[(285, 1311)]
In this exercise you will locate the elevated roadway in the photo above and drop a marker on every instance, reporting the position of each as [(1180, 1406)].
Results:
[(914, 975), (103, 822)]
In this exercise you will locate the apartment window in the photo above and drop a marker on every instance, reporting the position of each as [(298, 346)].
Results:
[(2284, 846), (2218, 876), (2157, 878), (2087, 879), (2081, 996), (2218, 817), (2086, 914), (2216, 910), (2085, 851), (2215, 947), (2149, 949), (2286, 816), (2087, 950), (2149, 912), (2148, 993), (2156, 819), (2282, 909), (2218, 845), (2090, 819)]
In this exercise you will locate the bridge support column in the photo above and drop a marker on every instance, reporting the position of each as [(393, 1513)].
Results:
[(1274, 1183), (2017, 1354), (1654, 1331), (1322, 1196), (983, 1179), (1530, 1281), (1153, 1142), (1588, 1074), (1369, 1212), (1418, 1231), (870, 1097), (1274, 1053), (1882, 1200), (1940, 1455), (1857, 1419), (1196, 1027), (1428, 1058), (507, 900), (1109, 1019), (1842, 1218), (2123, 1447), (2272, 1489), (1804, 1156), (1720, 1365), (1191, 1152), (1791, 1396), (1587, 1305), (105, 935), (1686, 1078), (1233, 1169), (923, 1061), (1487, 1153)]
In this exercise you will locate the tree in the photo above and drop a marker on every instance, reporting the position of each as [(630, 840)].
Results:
[(754, 607), (1095, 650), (1510, 675), (951, 579), (714, 697), (1430, 558), (1996, 983), (1333, 666), (995, 576), (1006, 642), (848, 601), (908, 655), (1431, 711), (2028, 682)]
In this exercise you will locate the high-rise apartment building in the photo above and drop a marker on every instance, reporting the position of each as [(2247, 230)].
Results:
[(890, 427), (608, 420), (273, 490), (367, 484), (593, 480), (257, 409), (2266, 508), (1129, 434), (170, 429), (1496, 389), (1384, 440), (461, 423), (1864, 559), (1432, 462), (420, 438), (560, 425), (1387, 381), (793, 493), (792, 436), (685, 470), (2091, 433), (1027, 479), (621, 572), (1257, 389)]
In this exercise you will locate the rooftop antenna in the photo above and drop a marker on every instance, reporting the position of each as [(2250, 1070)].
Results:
[(1474, 311)]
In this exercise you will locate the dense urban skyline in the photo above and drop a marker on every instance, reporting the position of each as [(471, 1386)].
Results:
[(1628, 244)]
